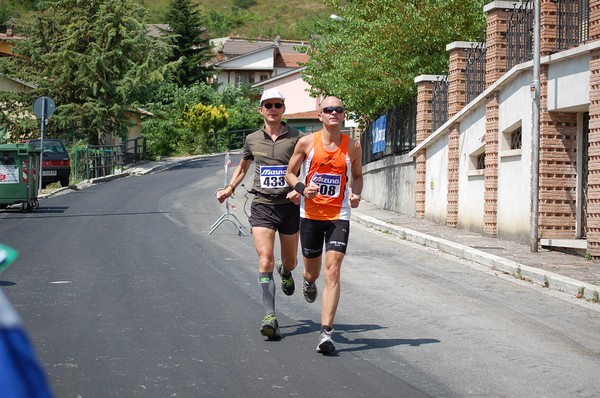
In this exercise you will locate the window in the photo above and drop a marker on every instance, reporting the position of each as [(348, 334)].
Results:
[(481, 161), (515, 139), (511, 141), (242, 78), (477, 162)]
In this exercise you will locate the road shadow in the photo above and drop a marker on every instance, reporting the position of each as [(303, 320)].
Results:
[(343, 334), (7, 283)]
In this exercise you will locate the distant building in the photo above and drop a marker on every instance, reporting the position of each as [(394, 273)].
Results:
[(250, 61)]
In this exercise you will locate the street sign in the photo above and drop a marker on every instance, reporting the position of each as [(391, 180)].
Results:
[(44, 107)]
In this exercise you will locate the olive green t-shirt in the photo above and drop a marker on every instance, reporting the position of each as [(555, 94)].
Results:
[(271, 159)]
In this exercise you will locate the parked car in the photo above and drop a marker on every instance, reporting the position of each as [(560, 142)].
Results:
[(56, 165)]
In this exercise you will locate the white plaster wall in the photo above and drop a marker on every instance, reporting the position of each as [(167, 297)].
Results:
[(436, 185), (470, 183), (569, 84), (514, 170), (13, 86), (259, 60), (390, 183)]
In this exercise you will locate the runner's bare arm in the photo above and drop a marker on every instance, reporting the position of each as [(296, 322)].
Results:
[(355, 151), (303, 145), (238, 176)]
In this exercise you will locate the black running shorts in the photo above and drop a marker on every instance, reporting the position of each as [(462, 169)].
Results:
[(314, 232), (284, 218)]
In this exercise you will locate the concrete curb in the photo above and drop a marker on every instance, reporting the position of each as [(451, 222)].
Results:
[(520, 271)]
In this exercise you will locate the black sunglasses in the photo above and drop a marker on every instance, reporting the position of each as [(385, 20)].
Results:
[(278, 105), (330, 109)]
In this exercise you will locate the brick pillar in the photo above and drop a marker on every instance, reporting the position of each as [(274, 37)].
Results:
[(547, 27), (594, 20), (457, 86), (420, 181), (453, 161), (490, 195), (593, 204), (495, 54), (457, 98), (425, 84), (558, 169)]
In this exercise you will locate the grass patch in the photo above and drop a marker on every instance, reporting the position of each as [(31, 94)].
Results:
[(519, 275)]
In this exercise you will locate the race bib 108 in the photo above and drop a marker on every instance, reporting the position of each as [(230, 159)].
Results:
[(329, 184)]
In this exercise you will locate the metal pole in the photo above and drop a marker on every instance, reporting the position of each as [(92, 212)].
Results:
[(535, 130), (42, 134)]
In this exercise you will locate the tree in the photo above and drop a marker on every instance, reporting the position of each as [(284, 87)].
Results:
[(370, 59), (163, 132), (93, 57), (202, 122), (190, 42), (166, 135)]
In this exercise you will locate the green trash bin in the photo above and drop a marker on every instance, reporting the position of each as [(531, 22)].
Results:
[(19, 164)]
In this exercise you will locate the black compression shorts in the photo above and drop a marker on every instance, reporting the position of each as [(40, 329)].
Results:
[(314, 232)]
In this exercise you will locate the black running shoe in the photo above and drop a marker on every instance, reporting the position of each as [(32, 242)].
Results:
[(325, 344), (310, 291), (270, 327), (287, 282)]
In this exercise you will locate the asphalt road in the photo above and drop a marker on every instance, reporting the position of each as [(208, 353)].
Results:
[(124, 294)]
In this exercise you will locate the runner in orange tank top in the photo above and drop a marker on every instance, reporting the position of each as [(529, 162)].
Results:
[(329, 170), (329, 158)]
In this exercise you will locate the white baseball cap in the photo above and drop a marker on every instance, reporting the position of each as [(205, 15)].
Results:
[(271, 93)]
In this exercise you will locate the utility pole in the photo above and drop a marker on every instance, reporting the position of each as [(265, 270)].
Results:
[(535, 130)]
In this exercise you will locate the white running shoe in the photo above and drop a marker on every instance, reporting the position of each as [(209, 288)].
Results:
[(325, 345)]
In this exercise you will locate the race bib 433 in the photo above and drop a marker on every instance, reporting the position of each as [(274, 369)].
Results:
[(273, 176)]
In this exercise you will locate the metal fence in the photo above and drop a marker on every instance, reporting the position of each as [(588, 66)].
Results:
[(95, 161), (519, 34), (400, 133), (475, 71), (573, 23), (439, 103), (572, 28)]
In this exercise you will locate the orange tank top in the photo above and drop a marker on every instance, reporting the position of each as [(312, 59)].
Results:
[(331, 172)]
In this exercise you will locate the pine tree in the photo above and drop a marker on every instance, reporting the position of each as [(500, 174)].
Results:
[(190, 42)]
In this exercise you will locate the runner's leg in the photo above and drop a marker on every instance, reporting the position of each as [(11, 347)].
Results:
[(264, 240)]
